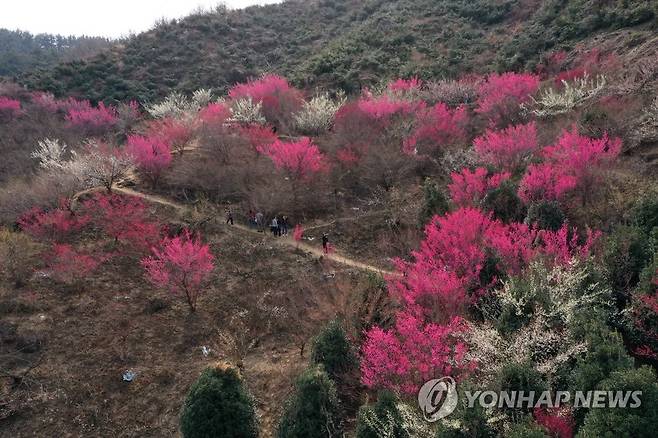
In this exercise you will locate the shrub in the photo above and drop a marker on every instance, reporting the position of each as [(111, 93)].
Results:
[(605, 355), (214, 113), (383, 108), (519, 377), (313, 408), (447, 271), (332, 350), (545, 215), (219, 405), (640, 421), (561, 246), (181, 264), (526, 429), (645, 214), (627, 252), (504, 202), (175, 105), (18, 256), (382, 419), (554, 102), (544, 182), (52, 154), (435, 202)]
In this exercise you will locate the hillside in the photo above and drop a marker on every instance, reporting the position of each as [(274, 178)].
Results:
[(344, 44), (276, 258), (21, 52)]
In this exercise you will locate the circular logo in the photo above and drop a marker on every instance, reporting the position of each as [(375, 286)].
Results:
[(438, 398)]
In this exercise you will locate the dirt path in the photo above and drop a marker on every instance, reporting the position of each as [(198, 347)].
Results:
[(286, 241)]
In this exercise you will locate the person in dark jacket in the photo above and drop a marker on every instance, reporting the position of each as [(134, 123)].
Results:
[(325, 243)]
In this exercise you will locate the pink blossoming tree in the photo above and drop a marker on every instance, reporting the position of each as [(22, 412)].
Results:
[(470, 187), (508, 149), (183, 265), (501, 96), (412, 352), (151, 154), (436, 127)]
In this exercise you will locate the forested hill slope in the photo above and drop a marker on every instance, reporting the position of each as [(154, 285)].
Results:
[(22, 52), (338, 43)]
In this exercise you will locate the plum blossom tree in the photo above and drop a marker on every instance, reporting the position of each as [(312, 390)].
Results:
[(508, 149), (70, 266), (181, 264), (93, 121), (412, 352), (544, 182), (300, 160), (124, 219), (278, 99), (383, 108), (560, 246), (469, 188), (9, 108), (558, 422), (574, 162), (405, 85), (102, 164), (45, 101), (172, 132), (437, 127), (462, 256), (214, 113), (55, 225), (260, 137), (501, 96), (151, 154)]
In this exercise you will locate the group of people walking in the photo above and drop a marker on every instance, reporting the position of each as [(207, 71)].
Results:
[(279, 225)]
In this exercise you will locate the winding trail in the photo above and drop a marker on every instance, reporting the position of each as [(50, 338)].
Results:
[(285, 241)]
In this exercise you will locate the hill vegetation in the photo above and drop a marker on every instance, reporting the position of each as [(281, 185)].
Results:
[(21, 52), (299, 261), (333, 44)]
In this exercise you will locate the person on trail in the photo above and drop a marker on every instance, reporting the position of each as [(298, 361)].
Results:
[(274, 226), (229, 216), (252, 219), (325, 243), (260, 222), (284, 225)]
